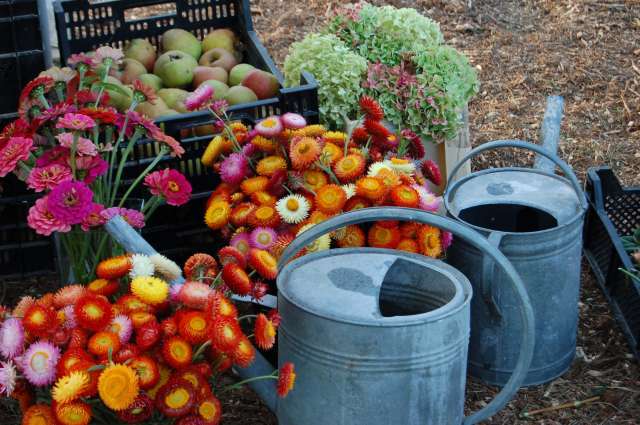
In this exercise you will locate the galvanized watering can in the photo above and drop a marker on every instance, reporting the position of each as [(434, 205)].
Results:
[(379, 336), (535, 218)]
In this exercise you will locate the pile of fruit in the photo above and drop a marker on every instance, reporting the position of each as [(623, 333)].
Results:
[(129, 347), (185, 63)]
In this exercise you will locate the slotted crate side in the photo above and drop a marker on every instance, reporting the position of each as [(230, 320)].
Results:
[(16, 70), (11, 8), (614, 212), (82, 27)]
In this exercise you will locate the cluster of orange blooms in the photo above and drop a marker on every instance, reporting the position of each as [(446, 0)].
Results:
[(133, 345)]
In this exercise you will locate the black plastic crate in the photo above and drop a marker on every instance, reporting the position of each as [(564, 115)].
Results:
[(614, 212), (22, 251), (20, 33), (16, 70), (12, 8)]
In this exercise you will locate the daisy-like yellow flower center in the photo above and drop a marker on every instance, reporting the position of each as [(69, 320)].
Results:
[(39, 361), (93, 311), (173, 186), (179, 350), (264, 213), (293, 204), (177, 398), (207, 410), (197, 323)]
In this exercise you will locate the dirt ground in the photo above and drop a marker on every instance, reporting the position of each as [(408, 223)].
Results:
[(587, 51)]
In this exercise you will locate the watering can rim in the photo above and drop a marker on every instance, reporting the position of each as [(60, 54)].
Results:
[(464, 290)]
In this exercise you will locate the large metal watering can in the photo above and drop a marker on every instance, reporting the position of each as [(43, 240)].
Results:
[(380, 336), (535, 218)]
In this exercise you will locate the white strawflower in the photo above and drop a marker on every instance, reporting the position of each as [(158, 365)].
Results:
[(376, 167), (320, 244), (141, 265), (349, 189), (8, 376), (403, 166), (165, 267), (293, 209)]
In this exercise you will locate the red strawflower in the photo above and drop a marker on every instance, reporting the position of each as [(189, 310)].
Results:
[(38, 320), (209, 410), (231, 254), (195, 378), (360, 135), (190, 420), (102, 342), (169, 327), (225, 334), (371, 108), (71, 358), (77, 338), (236, 279), (194, 327), (200, 265), (175, 398), (126, 352), (274, 317), (220, 306), (114, 267), (432, 172), (221, 361), (139, 411), (259, 290), (263, 262), (147, 370), (286, 379), (93, 312), (376, 129), (147, 335), (264, 332), (244, 353), (177, 352)]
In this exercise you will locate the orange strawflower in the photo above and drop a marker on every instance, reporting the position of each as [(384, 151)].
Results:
[(371, 188), (39, 320), (103, 287), (429, 240), (263, 198), (220, 306), (264, 144), (264, 332), (351, 237), (267, 166), (254, 184), (330, 199), (405, 196), (331, 153), (236, 279), (93, 312), (303, 152), (209, 410), (409, 245), (383, 237), (217, 214), (240, 213), (244, 353), (350, 167), (356, 203), (68, 295), (101, 342), (314, 179), (200, 265), (225, 334), (38, 414), (114, 267), (409, 229), (194, 327), (147, 370), (286, 379), (263, 262), (264, 215), (177, 352)]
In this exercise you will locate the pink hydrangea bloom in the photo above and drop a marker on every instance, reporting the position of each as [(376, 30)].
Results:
[(94, 218), (56, 155), (84, 146), (42, 221), (169, 184), (78, 122), (90, 168), (48, 177), (70, 202), (234, 168), (199, 98), (17, 149), (133, 217)]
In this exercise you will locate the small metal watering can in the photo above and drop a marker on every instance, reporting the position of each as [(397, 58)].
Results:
[(535, 218), (379, 336)]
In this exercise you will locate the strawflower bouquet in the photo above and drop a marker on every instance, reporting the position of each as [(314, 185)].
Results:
[(72, 148), (283, 176), (130, 347)]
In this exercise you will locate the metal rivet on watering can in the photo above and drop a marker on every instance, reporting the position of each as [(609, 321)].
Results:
[(380, 337), (535, 218)]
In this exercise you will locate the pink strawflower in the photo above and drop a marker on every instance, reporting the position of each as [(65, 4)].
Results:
[(446, 239), (262, 238), (270, 127), (174, 292), (219, 107), (133, 217), (249, 149), (69, 317), (42, 221), (84, 146), (293, 121), (78, 122), (17, 149), (70, 202), (89, 168), (105, 53), (48, 177), (94, 218), (122, 326), (234, 168), (11, 338), (241, 242), (38, 363), (428, 201), (8, 376), (194, 294), (56, 155), (80, 58), (199, 98), (170, 185)]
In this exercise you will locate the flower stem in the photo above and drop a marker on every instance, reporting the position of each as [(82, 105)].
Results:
[(201, 349), (142, 175), (123, 160), (246, 381)]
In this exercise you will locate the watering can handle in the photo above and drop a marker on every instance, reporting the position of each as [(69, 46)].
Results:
[(470, 236), (569, 174)]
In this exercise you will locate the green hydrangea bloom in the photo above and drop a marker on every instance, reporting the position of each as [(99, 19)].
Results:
[(337, 70)]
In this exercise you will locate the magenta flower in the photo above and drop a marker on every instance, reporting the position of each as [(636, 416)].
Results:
[(17, 149), (124, 327), (11, 338), (169, 184), (56, 155), (199, 98), (56, 111), (174, 292), (69, 317), (83, 146), (428, 201), (241, 242), (79, 122), (446, 239), (42, 221), (94, 218), (293, 121), (90, 168), (262, 238), (219, 107), (8, 377), (133, 217), (249, 149), (80, 58), (70, 202), (39, 362), (234, 168), (48, 177), (270, 127), (105, 53)]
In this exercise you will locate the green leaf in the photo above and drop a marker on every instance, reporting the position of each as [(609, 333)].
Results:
[(113, 87)]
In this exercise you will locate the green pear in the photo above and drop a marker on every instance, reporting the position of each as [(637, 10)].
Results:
[(119, 99), (152, 81), (179, 39), (223, 38), (175, 68), (238, 72), (153, 110), (142, 51), (174, 98), (240, 94), (220, 89)]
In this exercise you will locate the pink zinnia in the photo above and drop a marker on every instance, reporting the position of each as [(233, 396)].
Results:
[(48, 177), (169, 184), (176, 149), (56, 111), (234, 168), (199, 98), (107, 52), (94, 218), (83, 146), (17, 149), (90, 168), (11, 338), (70, 202), (219, 107), (56, 155), (133, 217), (79, 122), (42, 221), (39, 362)]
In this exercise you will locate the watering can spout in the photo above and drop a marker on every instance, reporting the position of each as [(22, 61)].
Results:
[(550, 132)]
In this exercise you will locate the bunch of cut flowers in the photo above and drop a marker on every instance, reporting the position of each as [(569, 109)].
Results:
[(282, 177), (133, 345), (72, 148)]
